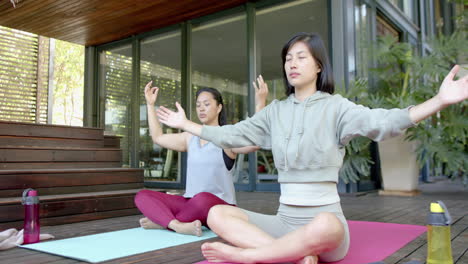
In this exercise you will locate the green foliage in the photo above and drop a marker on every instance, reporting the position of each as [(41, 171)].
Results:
[(403, 78), (357, 162), (68, 84)]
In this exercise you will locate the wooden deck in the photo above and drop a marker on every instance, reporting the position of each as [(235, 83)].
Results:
[(368, 207)]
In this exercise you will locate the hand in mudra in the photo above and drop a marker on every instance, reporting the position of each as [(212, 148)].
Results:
[(151, 93), (451, 91), (171, 118)]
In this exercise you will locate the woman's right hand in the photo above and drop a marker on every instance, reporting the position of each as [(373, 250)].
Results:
[(261, 93), (171, 118), (151, 94)]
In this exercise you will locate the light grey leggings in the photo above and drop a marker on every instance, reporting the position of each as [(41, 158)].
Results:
[(291, 217)]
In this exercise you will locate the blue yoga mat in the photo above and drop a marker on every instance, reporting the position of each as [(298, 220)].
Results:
[(112, 245)]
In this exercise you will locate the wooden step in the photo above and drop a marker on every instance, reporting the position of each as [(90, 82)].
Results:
[(49, 154), (112, 141), (8, 128), (69, 208), (76, 171), (11, 193), (50, 142), (56, 181), (59, 165)]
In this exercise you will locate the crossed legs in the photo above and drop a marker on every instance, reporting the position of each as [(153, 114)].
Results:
[(183, 215), (323, 233)]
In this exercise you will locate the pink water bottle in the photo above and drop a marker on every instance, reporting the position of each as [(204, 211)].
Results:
[(31, 216)]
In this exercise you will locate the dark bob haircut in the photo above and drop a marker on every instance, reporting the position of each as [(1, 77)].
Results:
[(219, 100), (325, 81)]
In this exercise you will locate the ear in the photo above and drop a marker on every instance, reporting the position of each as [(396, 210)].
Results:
[(220, 107), (319, 70)]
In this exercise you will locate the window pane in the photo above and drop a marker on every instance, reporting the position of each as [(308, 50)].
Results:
[(160, 62), (275, 26), (116, 81), (219, 60), (363, 38), (408, 7), (410, 11)]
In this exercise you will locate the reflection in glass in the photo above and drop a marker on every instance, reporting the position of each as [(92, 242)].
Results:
[(275, 26), (116, 81), (219, 60), (160, 62), (363, 38)]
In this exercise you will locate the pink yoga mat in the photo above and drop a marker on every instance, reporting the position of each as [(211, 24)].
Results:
[(374, 241)]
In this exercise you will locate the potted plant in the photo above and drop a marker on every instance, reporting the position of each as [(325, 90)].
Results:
[(400, 80)]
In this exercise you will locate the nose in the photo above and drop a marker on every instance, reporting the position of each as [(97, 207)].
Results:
[(292, 64)]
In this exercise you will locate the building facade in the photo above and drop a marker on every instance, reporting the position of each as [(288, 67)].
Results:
[(227, 50)]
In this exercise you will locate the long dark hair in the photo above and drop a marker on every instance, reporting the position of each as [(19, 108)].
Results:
[(219, 100), (325, 81)]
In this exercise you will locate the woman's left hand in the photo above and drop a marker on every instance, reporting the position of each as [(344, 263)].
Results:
[(451, 91), (171, 118)]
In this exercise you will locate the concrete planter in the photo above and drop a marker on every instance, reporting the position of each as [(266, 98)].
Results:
[(400, 169)]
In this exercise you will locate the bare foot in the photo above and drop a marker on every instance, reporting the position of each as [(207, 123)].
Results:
[(192, 228), (148, 224), (308, 260), (219, 252)]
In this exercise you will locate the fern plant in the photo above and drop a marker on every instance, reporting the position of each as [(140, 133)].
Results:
[(357, 161), (403, 78)]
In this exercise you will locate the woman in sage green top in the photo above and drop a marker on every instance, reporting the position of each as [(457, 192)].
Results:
[(307, 133)]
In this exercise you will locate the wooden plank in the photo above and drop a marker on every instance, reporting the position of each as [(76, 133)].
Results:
[(87, 170), (399, 193), (88, 23), (72, 207), (74, 189), (73, 196), (49, 131), (460, 242), (73, 218), (35, 154), (51, 142), (58, 165), (463, 259), (64, 178), (112, 141), (13, 213)]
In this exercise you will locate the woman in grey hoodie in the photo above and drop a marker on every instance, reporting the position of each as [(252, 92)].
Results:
[(307, 133)]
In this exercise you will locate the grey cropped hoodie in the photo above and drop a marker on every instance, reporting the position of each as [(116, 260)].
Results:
[(307, 138)]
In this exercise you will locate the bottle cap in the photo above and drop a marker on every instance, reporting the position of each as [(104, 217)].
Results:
[(436, 208), (439, 214), (30, 197)]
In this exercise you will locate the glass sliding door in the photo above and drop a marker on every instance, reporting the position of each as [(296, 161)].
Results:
[(160, 62), (219, 60), (275, 25), (116, 84)]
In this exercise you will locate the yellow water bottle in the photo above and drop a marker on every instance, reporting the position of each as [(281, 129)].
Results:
[(439, 249)]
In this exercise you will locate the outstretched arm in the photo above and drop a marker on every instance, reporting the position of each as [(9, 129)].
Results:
[(450, 92), (177, 141)]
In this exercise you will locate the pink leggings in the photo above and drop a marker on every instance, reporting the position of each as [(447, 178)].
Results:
[(162, 208)]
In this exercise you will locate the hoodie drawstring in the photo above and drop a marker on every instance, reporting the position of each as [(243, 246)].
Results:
[(308, 102), (301, 132), (287, 142)]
